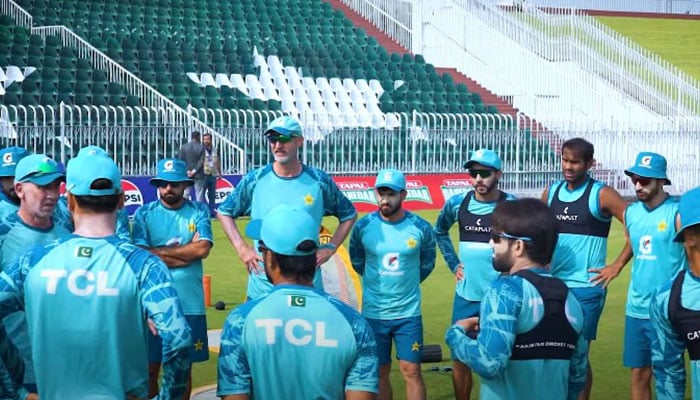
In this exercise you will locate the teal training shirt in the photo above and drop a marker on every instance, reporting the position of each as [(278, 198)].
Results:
[(577, 252), (16, 238), (656, 256), (86, 302), (667, 347), (261, 190), (475, 256), (311, 345), (158, 226), (511, 306), (393, 258)]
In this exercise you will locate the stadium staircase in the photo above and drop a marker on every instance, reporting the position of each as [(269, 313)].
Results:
[(391, 45)]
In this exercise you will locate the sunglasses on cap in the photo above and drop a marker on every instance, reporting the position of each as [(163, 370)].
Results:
[(279, 138), (641, 180), (174, 185), (497, 236), (484, 173)]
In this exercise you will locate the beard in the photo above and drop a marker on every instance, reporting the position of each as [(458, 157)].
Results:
[(486, 189), (502, 263), (171, 198), (388, 210)]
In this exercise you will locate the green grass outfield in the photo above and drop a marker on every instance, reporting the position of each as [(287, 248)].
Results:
[(675, 40), (611, 378)]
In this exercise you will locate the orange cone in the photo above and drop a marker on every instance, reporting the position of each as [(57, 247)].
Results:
[(206, 281)]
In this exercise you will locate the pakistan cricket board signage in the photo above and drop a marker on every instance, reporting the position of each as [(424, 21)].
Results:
[(424, 192)]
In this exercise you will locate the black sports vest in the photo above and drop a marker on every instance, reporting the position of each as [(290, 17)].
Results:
[(685, 322), (576, 217), (473, 227), (553, 338)]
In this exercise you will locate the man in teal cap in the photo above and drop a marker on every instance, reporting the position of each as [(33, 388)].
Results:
[(472, 266), (650, 228), (311, 345), (88, 295), (675, 311), (37, 182), (179, 232), (64, 217), (9, 157), (394, 251), (285, 181)]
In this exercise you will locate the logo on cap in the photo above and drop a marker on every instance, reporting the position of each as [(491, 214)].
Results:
[(388, 175), (479, 153), (168, 165), (645, 161), (7, 158)]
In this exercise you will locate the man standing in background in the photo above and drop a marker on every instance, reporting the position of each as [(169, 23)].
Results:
[(192, 153), (212, 172)]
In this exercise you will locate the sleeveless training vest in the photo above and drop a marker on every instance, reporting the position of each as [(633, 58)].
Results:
[(576, 217), (686, 323), (553, 337), (473, 227)]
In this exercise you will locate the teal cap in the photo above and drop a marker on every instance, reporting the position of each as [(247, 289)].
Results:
[(10, 156), (85, 169), (689, 211), (92, 151), (392, 179), (284, 126), (649, 165), (170, 170), (38, 169), (485, 157), (284, 228)]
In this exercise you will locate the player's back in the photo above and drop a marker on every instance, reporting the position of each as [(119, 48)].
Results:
[(309, 344), (86, 320)]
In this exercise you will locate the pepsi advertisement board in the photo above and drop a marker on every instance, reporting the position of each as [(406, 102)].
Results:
[(138, 191)]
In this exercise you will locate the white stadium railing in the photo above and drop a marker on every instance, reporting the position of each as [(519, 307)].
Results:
[(559, 62), (393, 17), (417, 143), (148, 96), (691, 7)]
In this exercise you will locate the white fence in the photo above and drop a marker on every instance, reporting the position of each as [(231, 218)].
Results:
[(646, 6), (148, 96), (393, 17), (418, 143), (564, 63)]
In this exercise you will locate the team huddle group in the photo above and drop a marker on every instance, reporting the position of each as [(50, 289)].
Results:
[(93, 306)]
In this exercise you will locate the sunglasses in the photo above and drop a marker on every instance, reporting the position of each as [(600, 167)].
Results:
[(641, 180), (484, 173), (497, 236), (164, 184), (279, 138), (261, 247)]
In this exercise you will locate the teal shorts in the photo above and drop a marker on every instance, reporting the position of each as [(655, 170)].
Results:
[(199, 350), (592, 300), (637, 348), (407, 333)]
